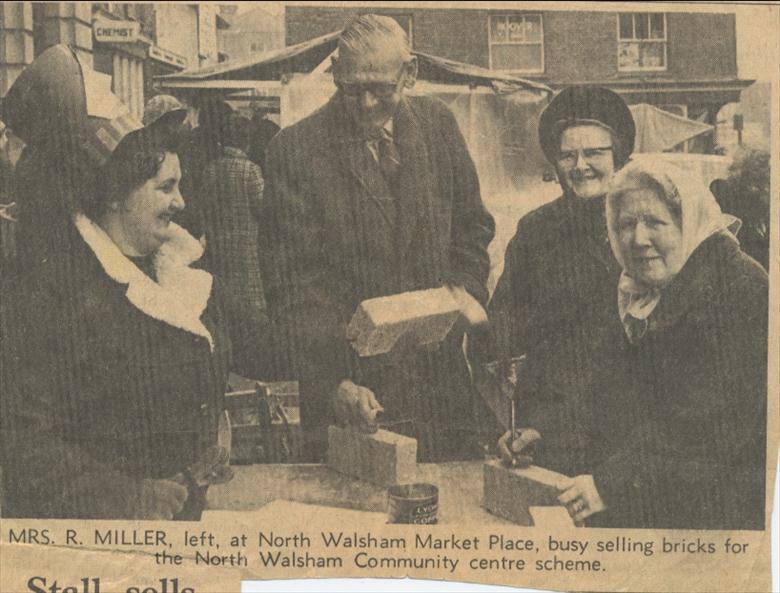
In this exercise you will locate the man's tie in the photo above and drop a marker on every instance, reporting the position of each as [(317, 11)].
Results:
[(387, 155), (635, 328)]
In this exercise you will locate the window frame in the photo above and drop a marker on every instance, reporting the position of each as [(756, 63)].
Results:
[(664, 41), (540, 43)]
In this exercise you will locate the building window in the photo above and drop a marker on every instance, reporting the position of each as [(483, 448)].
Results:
[(516, 42), (641, 41)]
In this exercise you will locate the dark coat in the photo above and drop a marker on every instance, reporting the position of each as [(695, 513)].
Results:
[(97, 395), (552, 303), (338, 234), (197, 148), (678, 430), (262, 133), (231, 193)]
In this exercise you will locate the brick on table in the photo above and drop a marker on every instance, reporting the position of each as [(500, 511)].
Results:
[(383, 458), (509, 492)]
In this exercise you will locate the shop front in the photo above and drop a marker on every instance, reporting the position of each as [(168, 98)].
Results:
[(120, 50)]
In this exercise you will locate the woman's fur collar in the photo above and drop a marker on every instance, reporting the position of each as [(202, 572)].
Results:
[(180, 294)]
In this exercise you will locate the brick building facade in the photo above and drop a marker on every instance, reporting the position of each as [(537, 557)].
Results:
[(683, 62), (160, 39)]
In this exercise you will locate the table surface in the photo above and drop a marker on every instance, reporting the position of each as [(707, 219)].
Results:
[(254, 486)]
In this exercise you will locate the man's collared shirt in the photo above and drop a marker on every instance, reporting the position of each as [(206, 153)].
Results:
[(373, 144)]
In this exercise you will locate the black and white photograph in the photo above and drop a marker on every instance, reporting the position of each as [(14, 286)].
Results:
[(503, 265)]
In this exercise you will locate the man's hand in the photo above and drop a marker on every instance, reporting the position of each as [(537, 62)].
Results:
[(472, 313), (356, 406), (581, 498), (159, 499)]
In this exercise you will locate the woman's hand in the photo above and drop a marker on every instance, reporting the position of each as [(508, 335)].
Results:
[(354, 405), (159, 500), (581, 498), (518, 451)]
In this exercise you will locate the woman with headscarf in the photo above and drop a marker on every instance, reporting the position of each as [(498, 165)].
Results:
[(114, 353), (679, 432)]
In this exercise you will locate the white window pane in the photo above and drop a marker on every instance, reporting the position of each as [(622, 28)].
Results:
[(626, 26), (498, 28), (533, 28), (516, 29), (657, 25), (517, 57), (651, 55), (628, 57)]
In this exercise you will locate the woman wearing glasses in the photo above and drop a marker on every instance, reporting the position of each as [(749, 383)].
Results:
[(556, 297)]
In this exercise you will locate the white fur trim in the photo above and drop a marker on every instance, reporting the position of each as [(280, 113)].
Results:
[(180, 294)]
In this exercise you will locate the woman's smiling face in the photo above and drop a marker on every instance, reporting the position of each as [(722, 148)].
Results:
[(145, 215), (650, 237), (586, 160)]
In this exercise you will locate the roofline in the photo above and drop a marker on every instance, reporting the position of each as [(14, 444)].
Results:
[(678, 85)]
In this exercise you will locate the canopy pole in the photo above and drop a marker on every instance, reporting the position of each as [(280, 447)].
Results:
[(325, 64), (472, 116)]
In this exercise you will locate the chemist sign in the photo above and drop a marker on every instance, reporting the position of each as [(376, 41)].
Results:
[(116, 31)]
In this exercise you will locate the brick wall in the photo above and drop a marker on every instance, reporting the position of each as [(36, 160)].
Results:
[(702, 45), (455, 34), (578, 45)]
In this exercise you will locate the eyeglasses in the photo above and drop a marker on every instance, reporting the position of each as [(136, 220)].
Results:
[(568, 158), (380, 90)]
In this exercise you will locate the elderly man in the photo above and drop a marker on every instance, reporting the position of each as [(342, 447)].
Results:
[(374, 194), (555, 301)]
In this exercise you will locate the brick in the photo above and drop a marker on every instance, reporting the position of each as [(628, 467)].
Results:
[(509, 492), (412, 318), (383, 458)]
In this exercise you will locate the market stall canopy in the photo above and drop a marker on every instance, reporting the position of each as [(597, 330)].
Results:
[(707, 167), (658, 130), (305, 57)]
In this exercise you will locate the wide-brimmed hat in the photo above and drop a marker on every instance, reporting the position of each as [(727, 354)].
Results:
[(587, 105)]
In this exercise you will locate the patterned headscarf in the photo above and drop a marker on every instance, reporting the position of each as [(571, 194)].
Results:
[(700, 218)]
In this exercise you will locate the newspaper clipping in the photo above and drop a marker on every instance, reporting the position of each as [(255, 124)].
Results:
[(482, 292)]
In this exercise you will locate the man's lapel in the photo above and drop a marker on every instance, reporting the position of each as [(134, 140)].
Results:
[(415, 180), (355, 160)]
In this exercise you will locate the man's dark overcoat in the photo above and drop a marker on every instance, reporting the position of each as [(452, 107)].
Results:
[(339, 233)]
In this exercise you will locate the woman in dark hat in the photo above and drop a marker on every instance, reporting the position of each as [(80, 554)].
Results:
[(555, 299), (115, 355)]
